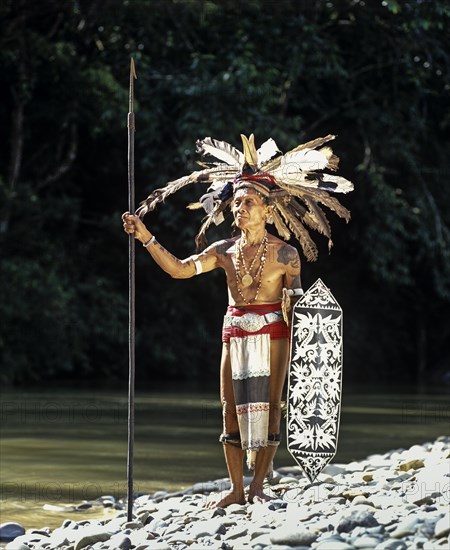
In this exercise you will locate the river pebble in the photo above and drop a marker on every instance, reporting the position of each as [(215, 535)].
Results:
[(442, 527), (392, 501), (292, 536), (10, 530), (356, 518)]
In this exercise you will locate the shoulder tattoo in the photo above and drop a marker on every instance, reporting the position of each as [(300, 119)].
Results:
[(287, 255), (222, 248)]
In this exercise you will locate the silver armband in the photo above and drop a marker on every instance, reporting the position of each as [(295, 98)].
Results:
[(149, 242), (198, 265), (295, 291)]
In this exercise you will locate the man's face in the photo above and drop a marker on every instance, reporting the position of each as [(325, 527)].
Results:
[(249, 209)]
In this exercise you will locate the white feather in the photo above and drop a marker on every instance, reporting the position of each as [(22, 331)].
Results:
[(267, 151), (208, 200), (217, 186), (306, 160), (342, 185), (220, 150)]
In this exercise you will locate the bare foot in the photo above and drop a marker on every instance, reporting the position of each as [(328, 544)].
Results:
[(232, 497), (256, 494)]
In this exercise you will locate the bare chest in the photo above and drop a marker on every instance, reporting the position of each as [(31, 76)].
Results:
[(250, 276)]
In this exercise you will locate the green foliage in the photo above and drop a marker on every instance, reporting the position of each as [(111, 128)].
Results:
[(59, 315), (375, 73)]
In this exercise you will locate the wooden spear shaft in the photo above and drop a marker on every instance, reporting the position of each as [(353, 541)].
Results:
[(131, 297)]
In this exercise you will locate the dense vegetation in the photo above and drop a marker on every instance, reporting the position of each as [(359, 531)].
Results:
[(375, 73)]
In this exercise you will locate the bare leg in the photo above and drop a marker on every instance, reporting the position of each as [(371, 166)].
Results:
[(264, 460), (234, 455), (279, 353)]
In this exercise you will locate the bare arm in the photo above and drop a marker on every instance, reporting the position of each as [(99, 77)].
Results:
[(176, 268), (288, 255)]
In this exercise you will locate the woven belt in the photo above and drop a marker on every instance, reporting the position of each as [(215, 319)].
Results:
[(252, 322)]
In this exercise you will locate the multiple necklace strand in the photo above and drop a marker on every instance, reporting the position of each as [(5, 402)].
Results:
[(246, 279)]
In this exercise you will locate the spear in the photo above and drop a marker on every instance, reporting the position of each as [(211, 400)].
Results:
[(131, 297)]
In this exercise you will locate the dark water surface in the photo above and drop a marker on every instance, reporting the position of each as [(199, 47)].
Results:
[(63, 447)]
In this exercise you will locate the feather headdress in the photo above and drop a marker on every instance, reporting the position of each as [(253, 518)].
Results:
[(295, 183)]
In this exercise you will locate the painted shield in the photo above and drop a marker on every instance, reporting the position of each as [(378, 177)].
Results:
[(315, 379)]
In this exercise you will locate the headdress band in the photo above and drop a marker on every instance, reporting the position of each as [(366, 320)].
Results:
[(263, 183)]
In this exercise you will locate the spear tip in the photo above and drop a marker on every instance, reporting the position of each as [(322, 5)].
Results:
[(132, 68)]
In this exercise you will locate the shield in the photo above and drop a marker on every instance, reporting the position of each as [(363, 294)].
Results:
[(315, 379)]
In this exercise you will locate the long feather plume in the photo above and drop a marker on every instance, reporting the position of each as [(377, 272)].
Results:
[(300, 209), (204, 164), (306, 160), (280, 226), (330, 202), (313, 144), (303, 214), (159, 195), (323, 225), (301, 233), (290, 177), (200, 239), (220, 150)]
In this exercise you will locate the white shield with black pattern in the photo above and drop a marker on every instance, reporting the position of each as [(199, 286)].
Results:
[(315, 379)]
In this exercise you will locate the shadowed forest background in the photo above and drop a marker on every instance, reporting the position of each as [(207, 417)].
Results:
[(374, 73)]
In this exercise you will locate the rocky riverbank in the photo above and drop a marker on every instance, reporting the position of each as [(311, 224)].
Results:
[(395, 501)]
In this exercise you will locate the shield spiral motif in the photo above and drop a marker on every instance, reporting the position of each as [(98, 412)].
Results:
[(315, 379)]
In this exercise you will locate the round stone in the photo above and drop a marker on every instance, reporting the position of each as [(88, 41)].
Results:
[(365, 542), (442, 528), (356, 519), (11, 530), (292, 537)]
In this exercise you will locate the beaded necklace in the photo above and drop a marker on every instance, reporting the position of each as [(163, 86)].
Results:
[(247, 276)]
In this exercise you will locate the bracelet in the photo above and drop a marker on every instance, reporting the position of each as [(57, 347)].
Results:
[(198, 264), (150, 241)]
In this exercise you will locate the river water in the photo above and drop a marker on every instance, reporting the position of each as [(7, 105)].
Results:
[(64, 447)]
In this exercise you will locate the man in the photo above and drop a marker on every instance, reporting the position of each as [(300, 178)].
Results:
[(279, 268), (259, 187)]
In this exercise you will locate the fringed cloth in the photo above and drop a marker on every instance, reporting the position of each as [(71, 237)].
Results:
[(250, 368)]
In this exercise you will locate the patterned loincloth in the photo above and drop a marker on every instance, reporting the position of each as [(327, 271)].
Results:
[(250, 368)]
